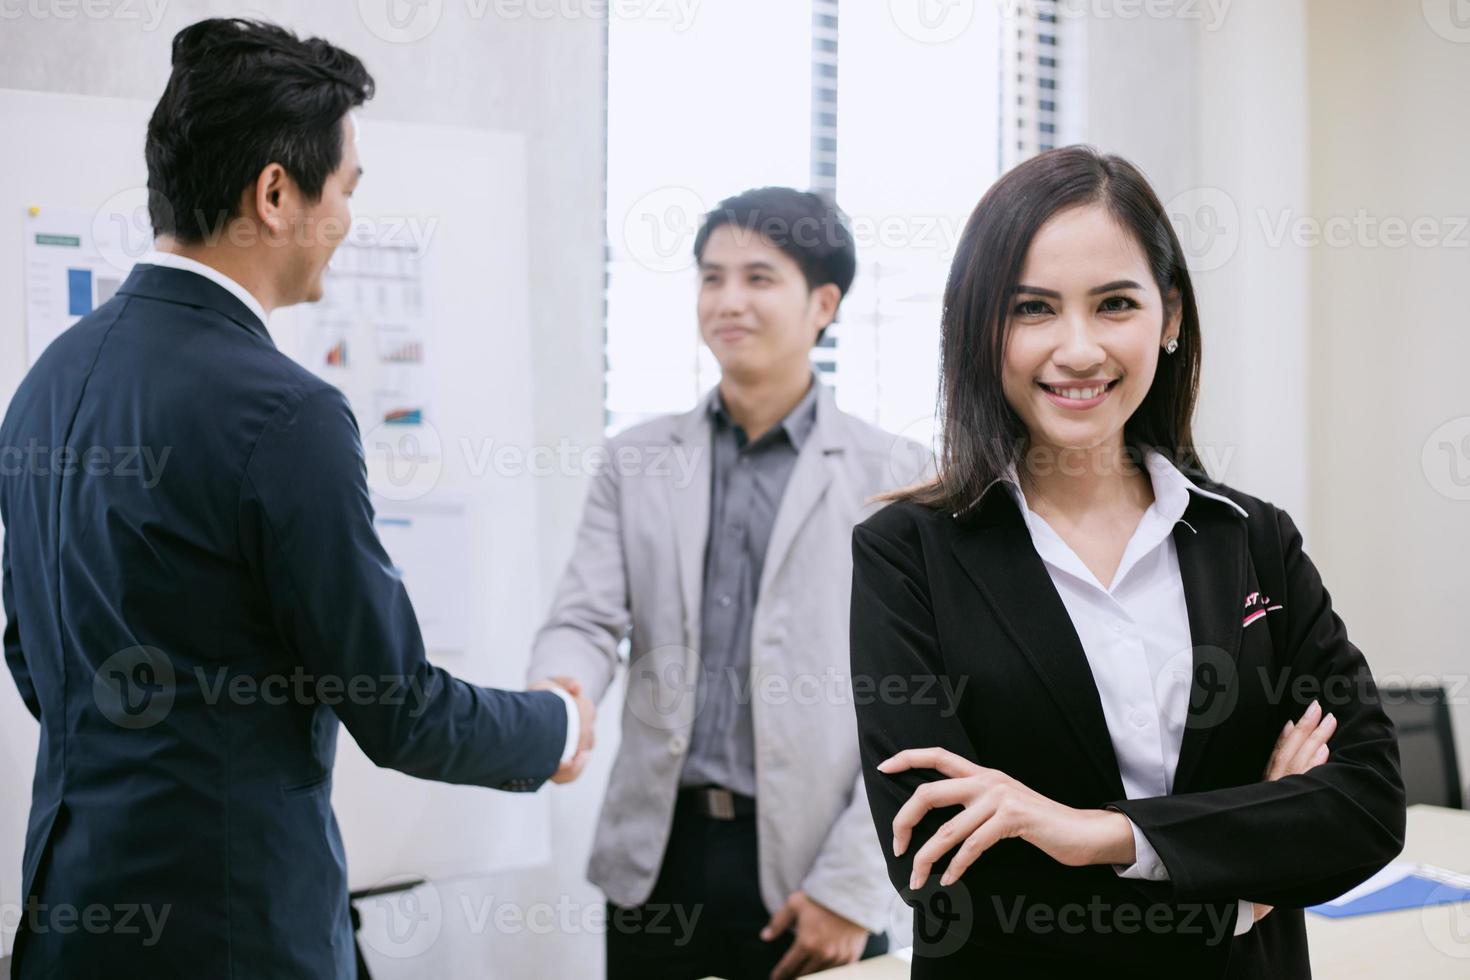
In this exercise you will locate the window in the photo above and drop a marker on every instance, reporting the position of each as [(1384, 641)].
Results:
[(1029, 103), (867, 127)]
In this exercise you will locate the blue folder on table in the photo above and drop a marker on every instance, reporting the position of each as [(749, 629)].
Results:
[(1414, 890)]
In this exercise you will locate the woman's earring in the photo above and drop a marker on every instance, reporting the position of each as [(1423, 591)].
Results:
[(1172, 345)]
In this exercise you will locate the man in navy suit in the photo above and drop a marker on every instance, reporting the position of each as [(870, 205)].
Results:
[(189, 633)]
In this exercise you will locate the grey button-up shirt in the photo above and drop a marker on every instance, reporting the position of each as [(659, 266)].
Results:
[(748, 481)]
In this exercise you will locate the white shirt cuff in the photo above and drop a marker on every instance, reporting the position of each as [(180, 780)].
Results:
[(1246, 919), (1147, 864), (574, 723)]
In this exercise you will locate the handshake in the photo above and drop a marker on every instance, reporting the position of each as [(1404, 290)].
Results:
[(587, 713)]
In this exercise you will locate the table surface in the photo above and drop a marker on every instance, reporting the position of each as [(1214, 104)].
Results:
[(1427, 944)]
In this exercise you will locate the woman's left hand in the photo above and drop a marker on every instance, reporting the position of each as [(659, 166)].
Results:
[(996, 807)]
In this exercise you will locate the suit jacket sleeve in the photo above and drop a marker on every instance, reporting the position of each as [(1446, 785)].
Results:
[(892, 635), (15, 658), (1302, 839), (307, 524), (898, 664), (590, 614)]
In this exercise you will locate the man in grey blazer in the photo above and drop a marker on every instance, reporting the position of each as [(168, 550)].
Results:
[(735, 839)]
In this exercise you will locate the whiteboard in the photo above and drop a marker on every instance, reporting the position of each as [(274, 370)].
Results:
[(462, 192)]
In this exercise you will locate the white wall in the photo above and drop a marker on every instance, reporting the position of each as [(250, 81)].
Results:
[(542, 77), (1390, 402), (1211, 104), (1334, 351), (1251, 117)]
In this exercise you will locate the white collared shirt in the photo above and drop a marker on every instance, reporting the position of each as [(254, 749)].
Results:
[(173, 261), (1135, 633)]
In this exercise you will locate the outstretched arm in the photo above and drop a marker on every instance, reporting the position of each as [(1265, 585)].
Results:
[(307, 525)]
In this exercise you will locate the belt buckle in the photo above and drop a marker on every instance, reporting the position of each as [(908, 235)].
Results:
[(719, 803)]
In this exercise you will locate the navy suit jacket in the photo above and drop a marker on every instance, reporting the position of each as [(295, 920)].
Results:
[(194, 598)]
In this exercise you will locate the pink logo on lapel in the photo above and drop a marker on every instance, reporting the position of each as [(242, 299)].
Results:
[(1256, 606)]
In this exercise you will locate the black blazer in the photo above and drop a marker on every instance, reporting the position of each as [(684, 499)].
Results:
[(937, 602), (138, 595)]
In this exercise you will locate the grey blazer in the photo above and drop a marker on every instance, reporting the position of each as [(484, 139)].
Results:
[(637, 571)]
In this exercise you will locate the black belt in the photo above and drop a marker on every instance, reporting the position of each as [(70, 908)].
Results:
[(717, 803)]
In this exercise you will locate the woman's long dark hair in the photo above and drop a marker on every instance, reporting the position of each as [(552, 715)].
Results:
[(981, 434)]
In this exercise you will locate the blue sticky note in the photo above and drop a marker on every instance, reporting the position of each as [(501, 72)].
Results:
[(78, 291), (1411, 892)]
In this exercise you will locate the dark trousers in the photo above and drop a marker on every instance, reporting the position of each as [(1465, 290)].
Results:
[(705, 914)]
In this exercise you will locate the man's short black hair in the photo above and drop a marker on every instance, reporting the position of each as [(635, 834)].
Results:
[(244, 94), (803, 225)]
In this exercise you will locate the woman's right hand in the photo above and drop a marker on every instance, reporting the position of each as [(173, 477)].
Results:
[(1300, 747)]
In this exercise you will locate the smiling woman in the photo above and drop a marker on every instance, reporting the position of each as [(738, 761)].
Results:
[(1127, 783), (1064, 251)]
